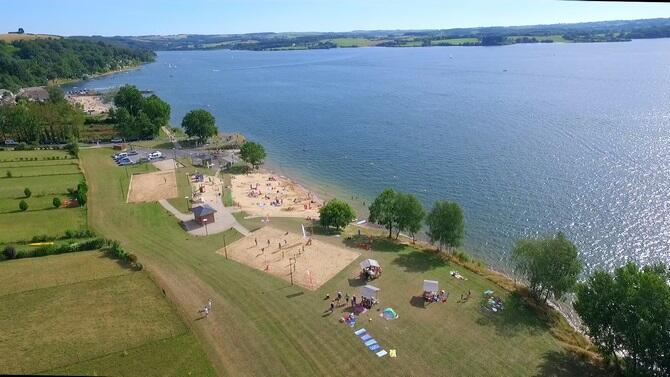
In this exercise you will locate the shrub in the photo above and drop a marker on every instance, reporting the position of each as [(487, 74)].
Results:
[(56, 202), (139, 266), (83, 233), (27, 192), (132, 258), (40, 238), (23, 205), (8, 174), (9, 252)]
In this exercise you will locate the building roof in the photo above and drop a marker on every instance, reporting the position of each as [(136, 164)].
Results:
[(203, 210)]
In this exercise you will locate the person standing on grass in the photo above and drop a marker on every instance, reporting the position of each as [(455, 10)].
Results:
[(209, 304), (353, 301), (206, 311), (346, 299), (332, 306)]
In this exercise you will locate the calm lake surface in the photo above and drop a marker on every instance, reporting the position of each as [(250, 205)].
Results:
[(529, 139)]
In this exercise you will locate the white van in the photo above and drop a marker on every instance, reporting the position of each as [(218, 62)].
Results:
[(155, 155)]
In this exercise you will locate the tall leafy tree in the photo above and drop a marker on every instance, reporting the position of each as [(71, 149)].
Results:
[(383, 210), (336, 213), (627, 313), (550, 264), (446, 224), (199, 123), (130, 98), (157, 110), (409, 214), (252, 153)]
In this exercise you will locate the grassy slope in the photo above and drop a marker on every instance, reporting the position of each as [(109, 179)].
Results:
[(454, 41), (265, 327), (24, 37), (60, 311), (22, 226)]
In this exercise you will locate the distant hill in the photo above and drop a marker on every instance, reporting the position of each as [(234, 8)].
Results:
[(605, 31), (11, 37), (30, 60)]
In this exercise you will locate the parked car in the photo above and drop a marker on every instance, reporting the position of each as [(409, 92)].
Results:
[(11, 142), (125, 161), (156, 154), (132, 153), (120, 156), (117, 140)]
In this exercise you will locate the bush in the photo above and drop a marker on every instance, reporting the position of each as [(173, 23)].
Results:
[(9, 252), (23, 205), (56, 202), (83, 233), (8, 174), (27, 192), (132, 258), (41, 238)]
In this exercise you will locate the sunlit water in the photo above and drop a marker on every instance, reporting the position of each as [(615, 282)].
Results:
[(530, 139)]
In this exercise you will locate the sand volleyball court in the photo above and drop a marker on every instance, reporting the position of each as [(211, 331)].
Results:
[(312, 264), (152, 187), (263, 194)]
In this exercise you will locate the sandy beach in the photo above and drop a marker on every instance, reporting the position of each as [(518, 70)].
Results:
[(264, 194), (91, 103)]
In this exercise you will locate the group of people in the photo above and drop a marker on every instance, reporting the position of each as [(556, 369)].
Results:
[(372, 272), (435, 296), (337, 301)]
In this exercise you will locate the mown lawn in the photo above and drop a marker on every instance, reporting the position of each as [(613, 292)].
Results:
[(32, 171), (56, 184), (266, 327), (84, 312), (35, 203), (22, 226), (454, 41), (45, 155)]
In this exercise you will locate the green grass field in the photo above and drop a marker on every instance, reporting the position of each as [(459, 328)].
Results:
[(46, 179), (453, 41), (267, 327), (82, 313), (353, 42)]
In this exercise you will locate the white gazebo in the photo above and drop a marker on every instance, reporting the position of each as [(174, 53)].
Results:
[(369, 263), (431, 286)]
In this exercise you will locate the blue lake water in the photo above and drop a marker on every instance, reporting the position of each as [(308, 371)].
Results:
[(529, 139)]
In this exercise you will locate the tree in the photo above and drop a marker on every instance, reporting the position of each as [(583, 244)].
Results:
[(336, 213), (252, 153), (56, 202), (446, 224), (628, 313), (551, 265), (157, 110), (130, 98), (9, 252), (383, 210), (56, 94), (199, 123), (410, 214), (73, 147), (27, 192), (82, 193), (23, 205)]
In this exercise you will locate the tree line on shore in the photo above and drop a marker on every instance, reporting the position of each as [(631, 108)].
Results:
[(626, 313), (25, 63)]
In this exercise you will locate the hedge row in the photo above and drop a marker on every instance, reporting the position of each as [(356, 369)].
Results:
[(96, 243), (69, 234)]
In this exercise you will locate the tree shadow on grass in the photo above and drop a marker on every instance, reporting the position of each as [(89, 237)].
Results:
[(515, 317), (418, 261), (567, 364), (381, 244)]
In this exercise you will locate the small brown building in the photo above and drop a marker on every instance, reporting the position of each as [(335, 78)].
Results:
[(203, 212)]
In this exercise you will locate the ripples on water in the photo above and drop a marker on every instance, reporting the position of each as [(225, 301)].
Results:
[(530, 139)]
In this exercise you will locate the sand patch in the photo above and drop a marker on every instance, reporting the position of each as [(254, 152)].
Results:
[(264, 194), (167, 164), (91, 104), (313, 267), (152, 187)]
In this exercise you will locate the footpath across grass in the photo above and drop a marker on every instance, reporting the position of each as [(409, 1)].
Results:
[(267, 327), (79, 311)]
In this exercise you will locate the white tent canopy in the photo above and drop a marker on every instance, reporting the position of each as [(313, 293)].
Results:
[(369, 263), (369, 291), (430, 286)]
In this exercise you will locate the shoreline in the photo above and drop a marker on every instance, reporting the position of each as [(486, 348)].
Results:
[(564, 308), (62, 82)]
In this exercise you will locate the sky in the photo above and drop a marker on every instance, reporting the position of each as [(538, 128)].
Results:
[(164, 17)]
